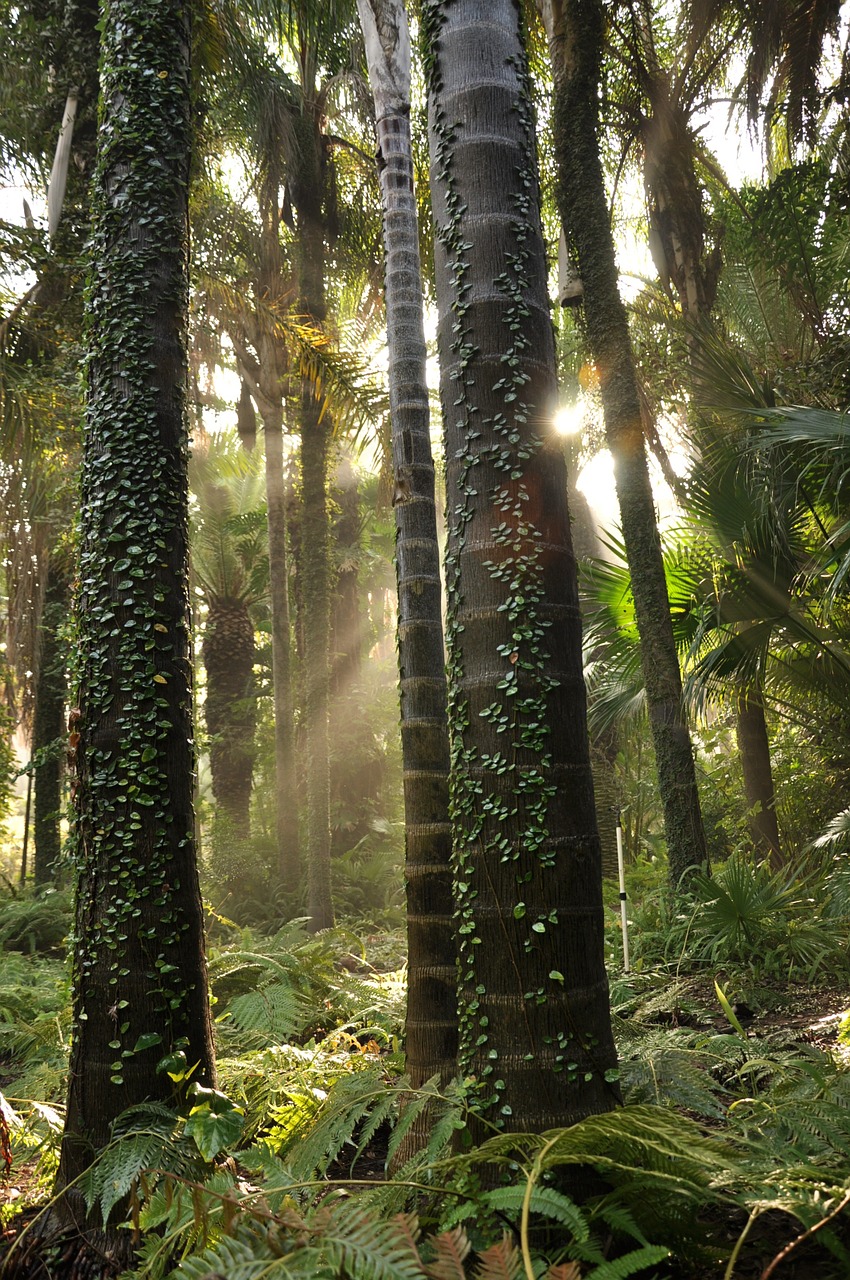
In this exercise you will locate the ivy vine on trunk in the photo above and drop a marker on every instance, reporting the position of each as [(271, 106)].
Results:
[(535, 1032), (139, 979)]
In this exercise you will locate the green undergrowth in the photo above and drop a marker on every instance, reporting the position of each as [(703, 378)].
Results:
[(298, 1165), (766, 927)]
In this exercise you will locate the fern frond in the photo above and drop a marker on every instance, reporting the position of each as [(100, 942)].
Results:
[(630, 1263), (144, 1140), (451, 1248), (501, 1261), (545, 1201), (357, 1244), (350, 1099), (268, 1016)]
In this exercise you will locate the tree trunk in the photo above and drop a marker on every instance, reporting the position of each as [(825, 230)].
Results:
[(138, 965), (754, 749), (286, 788), (575, 31), (49, 729), (266, 377), (231, 709), (316, 597), (347, 624), (534, 1027), (315, 427), (431, 1026)]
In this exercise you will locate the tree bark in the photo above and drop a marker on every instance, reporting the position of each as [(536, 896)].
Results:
[(230, 708), (288, 838), (315, 426), (575, 32), (267, 377), (49, 726), (535, 1031), (754, 749), (138, 965), (431, 1024)]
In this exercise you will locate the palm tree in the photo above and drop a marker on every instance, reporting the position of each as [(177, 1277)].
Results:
[(284, 351), (431, 1026), (229, 549), (534, 1026), (785, 40), (575, 31), (251, 307), (139, 978)]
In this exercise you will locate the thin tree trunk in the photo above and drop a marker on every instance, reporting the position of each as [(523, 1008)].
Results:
[(315, 427), (575, 31), (754, 749), (49, 725), (534, 1027), (431, 1025), (347, 623), (267, 377), (288, 840), (316, 597), (139, 976), (27, 811)]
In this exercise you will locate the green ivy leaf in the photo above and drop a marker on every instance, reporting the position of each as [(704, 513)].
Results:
[(213, 1131), (147, 1041)]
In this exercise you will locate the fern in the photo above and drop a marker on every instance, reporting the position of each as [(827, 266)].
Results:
[(630, 1263), (145, 1138), (545, 1201), (501, 1261), (450, 1249), (315, 1146), (359, 1245), (268, 1016)]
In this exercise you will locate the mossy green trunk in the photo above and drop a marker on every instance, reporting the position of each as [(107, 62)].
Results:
[(138, 961), (576, 45), (535, 1030), (49, 732)]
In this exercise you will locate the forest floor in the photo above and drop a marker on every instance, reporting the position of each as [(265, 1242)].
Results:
[(680, 1011)]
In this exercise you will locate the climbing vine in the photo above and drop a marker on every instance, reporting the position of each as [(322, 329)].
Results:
[(138, 963), (502, 795)]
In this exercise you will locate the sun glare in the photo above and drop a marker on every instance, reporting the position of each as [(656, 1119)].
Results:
[(569, 419)]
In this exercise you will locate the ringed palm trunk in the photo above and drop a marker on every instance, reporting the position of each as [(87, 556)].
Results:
[(139, 976), (534, 1019), (231, 709), (315, 427), (288, 846), (431, 1025), (49, 726), (754, 750), (575, 32)]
